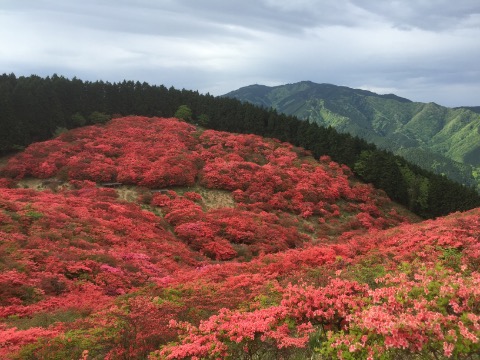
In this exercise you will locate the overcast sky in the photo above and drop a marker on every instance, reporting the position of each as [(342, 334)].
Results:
[(425, 50)]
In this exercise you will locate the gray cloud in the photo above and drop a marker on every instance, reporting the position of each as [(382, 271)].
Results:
[(434, 15), (424, 50)]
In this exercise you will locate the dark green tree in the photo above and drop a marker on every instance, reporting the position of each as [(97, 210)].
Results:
[(78, 120), (97, 117), (203, 120)]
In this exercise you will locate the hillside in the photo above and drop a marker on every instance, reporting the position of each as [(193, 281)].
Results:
[(35, 109), (444, 140), (150, 237)]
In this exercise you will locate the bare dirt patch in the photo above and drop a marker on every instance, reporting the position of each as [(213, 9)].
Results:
[(52, 184), (31, 183), (127, 193), (215, 199), (212, 198)]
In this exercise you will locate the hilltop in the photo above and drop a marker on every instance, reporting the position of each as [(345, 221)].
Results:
[(36, 109), (440, 139), (150, 237)]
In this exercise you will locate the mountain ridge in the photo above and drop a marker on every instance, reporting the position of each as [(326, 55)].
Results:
[(326, 86), (389, 121)]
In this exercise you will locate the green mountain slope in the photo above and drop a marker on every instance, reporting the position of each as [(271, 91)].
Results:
[(445, 140)]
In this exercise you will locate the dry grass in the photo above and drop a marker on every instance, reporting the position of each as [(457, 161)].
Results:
[(32, 183), (215, 199), (128, 193), (212, 198)]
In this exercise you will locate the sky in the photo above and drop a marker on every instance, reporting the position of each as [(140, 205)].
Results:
[(424, 50)]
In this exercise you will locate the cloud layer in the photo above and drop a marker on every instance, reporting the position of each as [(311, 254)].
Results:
[(424, 50)]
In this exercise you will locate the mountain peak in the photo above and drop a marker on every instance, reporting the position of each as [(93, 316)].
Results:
[(307, 85)]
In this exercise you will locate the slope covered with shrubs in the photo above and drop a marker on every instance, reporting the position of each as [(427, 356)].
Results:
[(301, 261)]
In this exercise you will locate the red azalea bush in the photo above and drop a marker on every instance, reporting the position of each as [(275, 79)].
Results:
[(432, 312)]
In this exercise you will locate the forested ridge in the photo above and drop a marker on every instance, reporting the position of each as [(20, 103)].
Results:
[(35, 109)]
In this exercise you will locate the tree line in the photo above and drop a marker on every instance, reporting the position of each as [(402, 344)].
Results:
[(34, 109)]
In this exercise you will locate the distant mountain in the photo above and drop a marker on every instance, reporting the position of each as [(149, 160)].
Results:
[(445, 140), (473, 108)]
